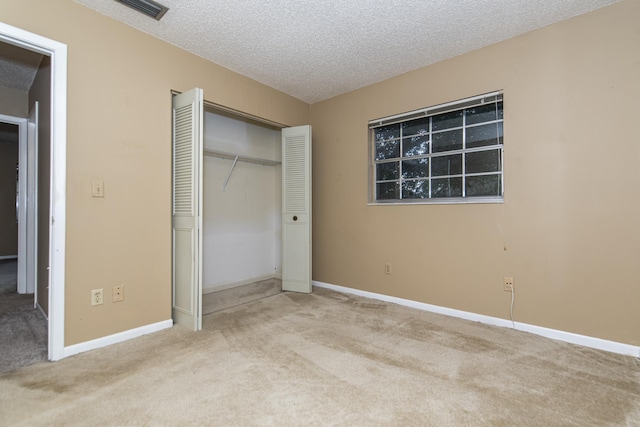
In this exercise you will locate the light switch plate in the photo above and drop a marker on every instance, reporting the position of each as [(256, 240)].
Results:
[(97, 189)]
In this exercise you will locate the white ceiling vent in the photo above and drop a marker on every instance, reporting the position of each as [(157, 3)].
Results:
[(148, 7)]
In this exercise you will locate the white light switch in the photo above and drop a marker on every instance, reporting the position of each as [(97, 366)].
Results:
[(97, 189)]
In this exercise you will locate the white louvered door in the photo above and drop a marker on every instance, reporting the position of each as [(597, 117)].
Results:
[(296, 209), (187, 209)]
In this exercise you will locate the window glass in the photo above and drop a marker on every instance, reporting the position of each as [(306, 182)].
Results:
[(446, 121), (415, 146), (418, 168), (446, 165), (416, 127), (483, 185), (482, 161), (387, 191), (480, 136), (447, 141), (388, 150), (435, 157), (387, 171), (446, 187), (415, 189), (388, 132), (481, 114)]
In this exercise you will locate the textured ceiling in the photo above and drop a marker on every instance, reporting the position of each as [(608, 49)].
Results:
[(314, 50), (317, 49), (18, 67)]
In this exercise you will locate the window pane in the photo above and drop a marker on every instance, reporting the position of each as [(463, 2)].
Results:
[(447, 141), (388, 150), (387, 171), (483, 161), (387, 132), (446, 120), (415, 146), (418, 189), (387, 191), (418, 168), (481, 113), (416, 127), (485, 185), (456, 151), (446, 165), (479, 136), (446, 187)]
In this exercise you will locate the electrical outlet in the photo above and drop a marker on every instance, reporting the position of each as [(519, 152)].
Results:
[(117, 293), (508, 284), (387, 268), (97, 297)]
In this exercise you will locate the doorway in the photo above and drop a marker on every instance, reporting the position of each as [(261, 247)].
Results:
[(23, 322), (242, 209), (53, 169)]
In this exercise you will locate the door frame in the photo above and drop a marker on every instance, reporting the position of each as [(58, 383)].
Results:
[(24, 190), (31, 228), (58, 173)]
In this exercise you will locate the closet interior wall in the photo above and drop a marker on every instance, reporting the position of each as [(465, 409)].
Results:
[(242, 204)]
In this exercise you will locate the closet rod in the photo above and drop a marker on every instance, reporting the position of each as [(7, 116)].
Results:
[(230, 156), (236, 158)]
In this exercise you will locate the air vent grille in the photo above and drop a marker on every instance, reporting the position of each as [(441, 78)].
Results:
[(148, 7)]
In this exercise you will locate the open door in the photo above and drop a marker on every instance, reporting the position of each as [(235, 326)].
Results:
[(187, 209), (296, 209)]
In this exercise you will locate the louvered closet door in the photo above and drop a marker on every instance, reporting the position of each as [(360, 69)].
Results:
[(296, 209), (187, 209)]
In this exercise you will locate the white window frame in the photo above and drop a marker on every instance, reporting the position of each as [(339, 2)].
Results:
[(475, 101)]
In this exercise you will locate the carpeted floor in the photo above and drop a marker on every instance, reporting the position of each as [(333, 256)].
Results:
[(23, 328), (8, 275), (328, 359), (231, 297)]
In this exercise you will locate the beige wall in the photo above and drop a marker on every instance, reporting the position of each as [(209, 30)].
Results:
[(41, 92), (569, 221), (569, 229), (13, 102), (119, 131), (8, 224)]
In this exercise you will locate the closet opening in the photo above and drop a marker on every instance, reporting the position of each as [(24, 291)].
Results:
[(242, 210)]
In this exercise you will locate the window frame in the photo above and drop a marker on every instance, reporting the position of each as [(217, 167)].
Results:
[(424, 113)]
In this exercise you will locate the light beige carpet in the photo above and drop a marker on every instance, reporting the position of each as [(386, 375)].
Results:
[(328, 359), (227, 298)]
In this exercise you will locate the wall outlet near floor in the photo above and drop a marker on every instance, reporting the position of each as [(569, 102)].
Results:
[(118, 293), (508, 284), (97, 296), (387, 268)]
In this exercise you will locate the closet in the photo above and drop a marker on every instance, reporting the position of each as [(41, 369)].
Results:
[(242, 210)]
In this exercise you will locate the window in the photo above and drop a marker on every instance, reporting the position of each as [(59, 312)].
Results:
[(448, 153)]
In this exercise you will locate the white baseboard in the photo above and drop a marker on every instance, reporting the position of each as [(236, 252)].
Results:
[(8, 257), (116, 338), (583, 340)]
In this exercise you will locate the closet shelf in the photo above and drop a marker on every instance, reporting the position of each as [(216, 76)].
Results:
[(236, 158), (241, 158)]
